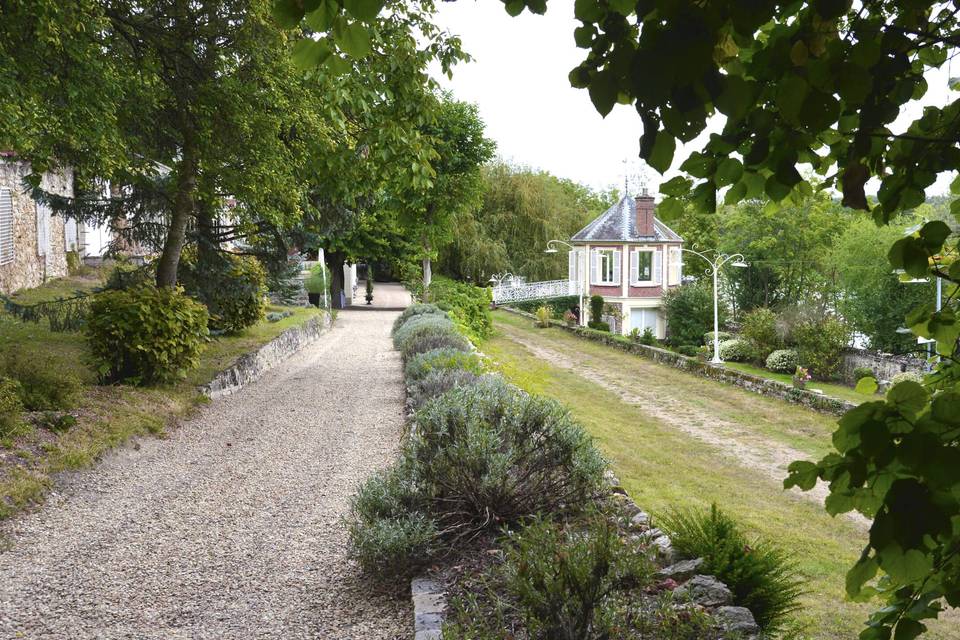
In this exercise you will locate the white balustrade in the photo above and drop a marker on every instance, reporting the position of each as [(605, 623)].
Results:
[(519, 292)]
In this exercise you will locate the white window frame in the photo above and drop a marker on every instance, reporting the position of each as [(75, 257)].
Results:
[(606, 274), (7, 243), (656, 266)]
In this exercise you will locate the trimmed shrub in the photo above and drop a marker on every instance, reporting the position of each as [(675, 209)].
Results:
[(433, 339), (438, 382), (421, 365), (10, 406), (599, 326), (820, 345), (689, 312), (687, 350), (724, 336), (419, 323), (596, 310), (558, 306), (490, 454), (783, 361), (648, 338), (862, 372), (318, 276), (760, 330), (415, 310), (762, 577), (44, 384), (145, 335), (906, 376), (232, 287), (736, 350), (390, 531)]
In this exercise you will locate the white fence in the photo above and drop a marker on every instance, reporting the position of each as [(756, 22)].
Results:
[(509, 292)]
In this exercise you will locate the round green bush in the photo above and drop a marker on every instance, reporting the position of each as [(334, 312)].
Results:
[(760, 330), (438, 359), (415, 310), (599, 326), (687, 350), (862, 372), (10, 405), (905, 376), (232, 287), (735, 350), (783, 361), (145, 335), (318, 277)]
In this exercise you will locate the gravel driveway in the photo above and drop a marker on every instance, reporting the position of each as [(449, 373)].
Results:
[(231, 527)]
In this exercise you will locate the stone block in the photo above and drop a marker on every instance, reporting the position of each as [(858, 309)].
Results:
[(706, 591), (681, 571)]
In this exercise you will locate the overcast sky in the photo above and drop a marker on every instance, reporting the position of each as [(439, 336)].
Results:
[(519, 80)]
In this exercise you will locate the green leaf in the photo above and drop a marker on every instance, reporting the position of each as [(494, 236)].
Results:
[(736, 193), (309, 53), (287, 13), (908, 629), (677, 186), (908, 396), (728, 171), (934, 234), (776, 189), (587, 10), (338, 66), (514, 7), (353, 39), (321, 19), (791, 93), (583, 36), (867, 386), (623, 7), (365, 10), (862, 572), (735, 99), (603, 91), (908, 254), (661, 156), (905, 567), (803, 474)]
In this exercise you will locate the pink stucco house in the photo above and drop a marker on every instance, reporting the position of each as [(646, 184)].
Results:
[(630, 258)]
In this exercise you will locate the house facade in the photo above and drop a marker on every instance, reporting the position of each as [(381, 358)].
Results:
[(33, 241), (631, 258)]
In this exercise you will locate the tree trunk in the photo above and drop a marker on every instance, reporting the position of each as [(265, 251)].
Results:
[(335, 260), (182, 212), (427, 270)]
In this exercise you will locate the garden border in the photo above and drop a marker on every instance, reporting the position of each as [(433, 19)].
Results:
[(755, 384), (250, 366)]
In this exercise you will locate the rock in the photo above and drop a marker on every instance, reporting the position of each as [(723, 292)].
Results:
[(614, 482), (681, 571), (640, 519), (664, 549), (706, 591), (651, 534), (737, 619)]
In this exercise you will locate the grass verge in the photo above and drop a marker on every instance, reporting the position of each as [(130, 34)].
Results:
[(839, 391)]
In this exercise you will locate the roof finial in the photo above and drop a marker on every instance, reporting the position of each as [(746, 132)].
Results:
[(626, 177)]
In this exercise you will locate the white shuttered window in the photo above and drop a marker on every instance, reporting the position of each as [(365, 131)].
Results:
[(6, 227), (605, 266), (674, 267), (43, 229)]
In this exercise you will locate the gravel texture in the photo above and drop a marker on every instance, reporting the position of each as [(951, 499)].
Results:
[(231, 527)]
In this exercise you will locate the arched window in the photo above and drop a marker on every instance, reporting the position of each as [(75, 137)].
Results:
[(6, 226)]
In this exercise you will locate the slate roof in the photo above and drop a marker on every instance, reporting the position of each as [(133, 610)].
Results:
[(619, 224)]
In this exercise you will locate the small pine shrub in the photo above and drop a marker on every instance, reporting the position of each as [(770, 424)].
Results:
[(862, 372), (544, 316), (145, 335), (760, 330), (596, 310), (906, 376), (648, 338), (44, 384), (232, 287), (783, 361), (390, 531), (425, 363), (438, 382), (10, 406), (634, 335), (688, 350), (762, 577), (735, 350)]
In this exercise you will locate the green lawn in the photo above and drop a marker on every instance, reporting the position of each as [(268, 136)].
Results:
[(839, 391), (664, 468), (107, 415)]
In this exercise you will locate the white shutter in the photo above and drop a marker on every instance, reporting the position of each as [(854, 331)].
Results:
[(634, 266), (43, 229), (594, 266), (658, 266), (679, 265), (617, 258), (6, 227), (572, 265), (673, 266)]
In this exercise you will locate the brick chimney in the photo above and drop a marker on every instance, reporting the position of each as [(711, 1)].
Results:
[(645, 209)]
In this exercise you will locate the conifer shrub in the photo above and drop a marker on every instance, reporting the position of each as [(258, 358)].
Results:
[(762, 577), (145, 335), (232, 287)]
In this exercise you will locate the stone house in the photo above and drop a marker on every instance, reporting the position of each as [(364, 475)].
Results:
[(33, 241), (630, 257)]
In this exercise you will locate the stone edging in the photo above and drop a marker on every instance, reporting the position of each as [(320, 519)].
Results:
[(429, 601), (750, 382), (250, 366)]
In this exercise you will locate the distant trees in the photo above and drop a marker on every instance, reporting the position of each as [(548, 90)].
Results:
[(521, 210)]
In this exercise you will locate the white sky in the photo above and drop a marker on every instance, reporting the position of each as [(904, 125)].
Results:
[(519, 80)]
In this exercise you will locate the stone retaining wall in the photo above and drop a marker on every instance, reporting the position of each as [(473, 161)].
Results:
[(251, 366), (884, 365), (756, 384)]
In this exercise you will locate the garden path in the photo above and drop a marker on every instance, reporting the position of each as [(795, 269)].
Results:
[(231, 527)]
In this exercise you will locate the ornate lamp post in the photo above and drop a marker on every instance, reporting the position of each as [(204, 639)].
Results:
[(719, 259), (552, 248)]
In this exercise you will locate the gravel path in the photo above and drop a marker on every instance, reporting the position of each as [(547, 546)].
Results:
[(231, 527)]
